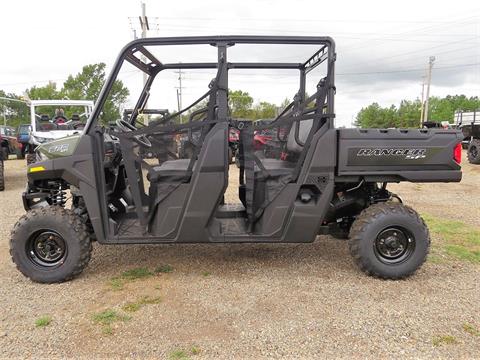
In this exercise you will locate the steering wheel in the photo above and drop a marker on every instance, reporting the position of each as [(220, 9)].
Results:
[(126, 127)]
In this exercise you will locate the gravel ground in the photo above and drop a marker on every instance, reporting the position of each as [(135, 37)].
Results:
[(247, 301)]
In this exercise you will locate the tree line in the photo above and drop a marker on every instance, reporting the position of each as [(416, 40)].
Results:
[(85, 85), (407, 114)]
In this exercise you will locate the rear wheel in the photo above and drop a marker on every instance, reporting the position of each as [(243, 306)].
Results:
[(473, 154), (2, 179), (50, 245), (389, 240), (31, 158)]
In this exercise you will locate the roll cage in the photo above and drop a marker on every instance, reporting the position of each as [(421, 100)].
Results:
[(139, 56)]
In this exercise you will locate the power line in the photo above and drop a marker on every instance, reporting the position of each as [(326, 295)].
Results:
[(405, 70)]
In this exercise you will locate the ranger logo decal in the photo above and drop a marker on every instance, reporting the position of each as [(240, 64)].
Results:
[(408, 154), (60, 148)]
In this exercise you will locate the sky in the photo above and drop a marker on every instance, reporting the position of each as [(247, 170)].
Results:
[(382, 46)]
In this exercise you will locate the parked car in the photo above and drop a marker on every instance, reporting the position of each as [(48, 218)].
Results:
[(8, 142)]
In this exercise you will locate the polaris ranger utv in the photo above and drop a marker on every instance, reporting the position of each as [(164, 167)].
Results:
[(325, 181), (469, 123)]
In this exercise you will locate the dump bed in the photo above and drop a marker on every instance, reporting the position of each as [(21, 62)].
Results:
[(417, 155)]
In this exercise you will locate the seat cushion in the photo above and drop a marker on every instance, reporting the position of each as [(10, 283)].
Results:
[(172, 170)]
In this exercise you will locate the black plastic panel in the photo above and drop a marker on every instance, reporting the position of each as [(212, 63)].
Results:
[(424, 155)]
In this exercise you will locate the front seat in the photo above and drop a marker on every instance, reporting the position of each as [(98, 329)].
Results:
[(171, 170)]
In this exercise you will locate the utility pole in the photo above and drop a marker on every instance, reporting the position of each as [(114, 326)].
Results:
[(423, 101), (429, 80), (179, 91)]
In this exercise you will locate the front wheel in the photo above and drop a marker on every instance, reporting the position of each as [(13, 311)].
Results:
[(50, 245), (31, 158), (389, 241)]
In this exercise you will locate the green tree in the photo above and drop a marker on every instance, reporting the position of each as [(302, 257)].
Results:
[(87, 85), (408, 113), (264, 110), (374, 116), (240, 103), (46, 92), (16, 113)]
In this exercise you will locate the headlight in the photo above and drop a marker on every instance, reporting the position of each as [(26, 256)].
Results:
[(39, 139), (41, 156)]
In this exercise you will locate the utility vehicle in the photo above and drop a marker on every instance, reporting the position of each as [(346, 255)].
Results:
[(327, 180), (47, 124), (469, 123)]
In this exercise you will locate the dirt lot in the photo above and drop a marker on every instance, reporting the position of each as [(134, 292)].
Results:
[(250, 301)]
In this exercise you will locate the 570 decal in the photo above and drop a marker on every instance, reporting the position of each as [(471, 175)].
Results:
[(409, 154)]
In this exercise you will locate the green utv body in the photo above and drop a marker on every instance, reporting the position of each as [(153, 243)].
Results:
[(322, 180)]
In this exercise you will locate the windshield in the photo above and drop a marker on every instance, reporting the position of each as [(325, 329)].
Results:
[(53, 118), (23, 129)]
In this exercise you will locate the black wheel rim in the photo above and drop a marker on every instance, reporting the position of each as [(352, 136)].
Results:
[(47, 249), (473, 151), (394, 245)]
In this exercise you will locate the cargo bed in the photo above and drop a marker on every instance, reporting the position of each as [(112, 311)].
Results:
[(417, 155)]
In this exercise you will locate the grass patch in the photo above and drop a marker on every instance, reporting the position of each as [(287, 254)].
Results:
[(163, 269), (107, 330), (135, 306), (137, 273), (131, 307), (472, 330), (118, 282), (206, 273), (444, 340), (178, 355), (458, 240), (181, 354), (43, 321), (108, 317)]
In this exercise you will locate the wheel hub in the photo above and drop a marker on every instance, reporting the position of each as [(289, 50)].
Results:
[(474, 151), (394, 245), (47, 248)]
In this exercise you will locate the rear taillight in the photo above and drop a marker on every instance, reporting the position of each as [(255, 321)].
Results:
[(457, 153)]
